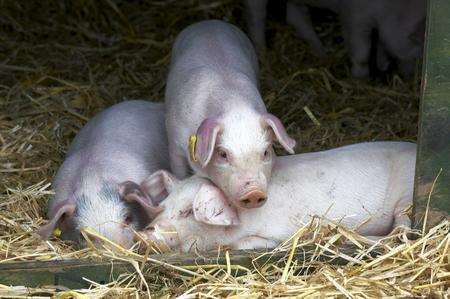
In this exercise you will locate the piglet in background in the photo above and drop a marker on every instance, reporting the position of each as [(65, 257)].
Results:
[(297, 15), (366, 187), (401, 32), (400, 25), (213, 101), (95, 186)]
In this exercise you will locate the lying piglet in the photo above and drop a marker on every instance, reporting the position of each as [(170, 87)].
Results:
[(365, 186), (213, 101), (126, 142)]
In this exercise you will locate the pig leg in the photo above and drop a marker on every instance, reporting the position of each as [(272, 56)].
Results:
[(358, 34), (407, 67), (401, 220), (382, 58), (298, 16), (402, 47), (256, 22), (406, 53), (254, 242)]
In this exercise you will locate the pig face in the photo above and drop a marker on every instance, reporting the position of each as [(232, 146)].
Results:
[(235, 152), (115, 213), (195, 215)]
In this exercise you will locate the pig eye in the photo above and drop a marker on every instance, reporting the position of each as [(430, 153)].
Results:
[(223, 156), (128, 219), (266, 154)]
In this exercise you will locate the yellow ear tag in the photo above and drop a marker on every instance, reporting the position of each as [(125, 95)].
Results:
[(192, 144), (57, 232)]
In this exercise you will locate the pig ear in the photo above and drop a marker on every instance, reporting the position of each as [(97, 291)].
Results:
[(131, 192), (206, 140), (66, 209), (211, 207), (159, 185), (280, 132)]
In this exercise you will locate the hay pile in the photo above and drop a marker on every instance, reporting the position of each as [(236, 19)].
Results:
[(64, 61)]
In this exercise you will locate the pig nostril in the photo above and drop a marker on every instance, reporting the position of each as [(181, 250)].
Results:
[(261, 199), (150, 228), (246, 201)]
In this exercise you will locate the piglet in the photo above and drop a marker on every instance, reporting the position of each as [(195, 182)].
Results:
[(365, 186), (401, 28), (213, 101), (400, 25), (95, 188), (297, 15)]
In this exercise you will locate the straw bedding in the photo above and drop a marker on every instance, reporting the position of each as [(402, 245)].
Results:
[(64, 61)]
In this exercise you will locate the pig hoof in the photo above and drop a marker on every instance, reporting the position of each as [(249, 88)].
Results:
[(360, 72), (383, 65)]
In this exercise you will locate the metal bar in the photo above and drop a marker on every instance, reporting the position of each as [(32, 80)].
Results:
[(432, 183)]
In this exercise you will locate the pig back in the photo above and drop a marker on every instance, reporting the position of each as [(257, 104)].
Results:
[(353, 185), (214, 44), (124, 142)]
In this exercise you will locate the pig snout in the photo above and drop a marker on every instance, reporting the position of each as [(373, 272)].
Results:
[(252, 195), (253, 199)]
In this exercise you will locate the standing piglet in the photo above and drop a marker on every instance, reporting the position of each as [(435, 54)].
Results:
[(213, 101), (400, 25), (401, 28), (365, 186), (297, 15), (126, 142)]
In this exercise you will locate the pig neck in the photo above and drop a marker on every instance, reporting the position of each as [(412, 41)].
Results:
[(233, 90)]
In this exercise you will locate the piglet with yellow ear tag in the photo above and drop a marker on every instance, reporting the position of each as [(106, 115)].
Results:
[(217, 123), (99, 184)]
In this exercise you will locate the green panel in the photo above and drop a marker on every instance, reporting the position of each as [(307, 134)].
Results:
[(67, 273), (433, 160), (70, 273)]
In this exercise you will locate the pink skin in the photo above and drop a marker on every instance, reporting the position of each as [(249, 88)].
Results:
[(62, 214), (280, 132), (247, 187), (212, 92), (247, 192), (207, 135), (95, 188), (366, 187), (65, 208)]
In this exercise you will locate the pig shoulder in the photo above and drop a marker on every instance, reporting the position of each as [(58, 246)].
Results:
[(214, 41)]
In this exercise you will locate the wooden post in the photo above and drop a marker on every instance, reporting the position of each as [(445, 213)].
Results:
[(432, 185)]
